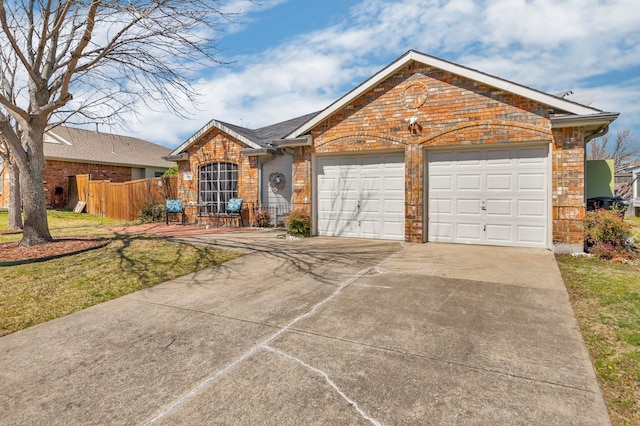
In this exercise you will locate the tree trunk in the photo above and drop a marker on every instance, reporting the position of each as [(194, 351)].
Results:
[(15, 198), (36, 228)]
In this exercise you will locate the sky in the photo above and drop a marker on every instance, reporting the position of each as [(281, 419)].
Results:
[(287, 58)]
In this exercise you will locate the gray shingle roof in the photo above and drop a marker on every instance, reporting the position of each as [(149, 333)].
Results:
[(70, 144), (256, 138)]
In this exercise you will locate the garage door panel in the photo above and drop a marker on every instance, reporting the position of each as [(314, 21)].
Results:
[(369, 206), (468, 159), (531, 234), (533, 155), (442, 159), (442, 230), (468, 207), (393, 183), (531, 181), (467, 232), (394, 206), (531, 208), (499, 196), (441, 183), (468, 182), (499, 182), (440, 206), (499, 233), (500, 207)]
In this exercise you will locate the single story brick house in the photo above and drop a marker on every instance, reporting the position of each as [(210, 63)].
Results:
[(69, 152), (424, 150)]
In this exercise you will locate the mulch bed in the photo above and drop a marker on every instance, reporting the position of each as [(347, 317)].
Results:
[(11, 254)]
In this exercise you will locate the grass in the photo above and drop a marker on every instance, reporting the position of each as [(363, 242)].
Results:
[(606, 301), (34, 293)]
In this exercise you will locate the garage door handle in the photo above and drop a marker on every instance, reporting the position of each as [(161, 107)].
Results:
[(483, 206), (358, 206)]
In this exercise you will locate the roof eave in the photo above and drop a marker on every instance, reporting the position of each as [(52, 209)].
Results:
[(108, 163), (597, 120), (293, 142), (178, 157), (257, 152)]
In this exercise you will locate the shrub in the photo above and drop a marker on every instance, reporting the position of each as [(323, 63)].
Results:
[(263, 218), (152, 213), (171, 171), (299, 223), (608, 235)]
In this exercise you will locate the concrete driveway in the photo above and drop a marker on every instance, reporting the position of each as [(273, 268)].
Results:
[(318, 331)]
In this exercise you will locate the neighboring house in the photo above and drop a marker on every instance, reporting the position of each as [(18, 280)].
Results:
[(635, 184), (69, 152), (424, 150), (600, 178)]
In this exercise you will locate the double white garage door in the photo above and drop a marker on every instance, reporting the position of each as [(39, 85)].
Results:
[(484, 196)]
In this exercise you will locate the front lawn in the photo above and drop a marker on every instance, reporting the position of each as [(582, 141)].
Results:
[(37, 292), (606, 301)]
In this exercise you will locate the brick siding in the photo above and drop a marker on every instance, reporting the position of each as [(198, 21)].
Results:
[(217, 146), (56, 173)]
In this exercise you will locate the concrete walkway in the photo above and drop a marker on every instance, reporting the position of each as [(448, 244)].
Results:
[(318, 331)]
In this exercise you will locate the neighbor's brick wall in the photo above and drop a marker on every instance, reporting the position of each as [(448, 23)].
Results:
[(4, 187), (56, 173), (456, 111), (216, 146)]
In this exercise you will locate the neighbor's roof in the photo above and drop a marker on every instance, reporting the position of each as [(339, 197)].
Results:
[(258, 139), (567, 113), (86, 146)]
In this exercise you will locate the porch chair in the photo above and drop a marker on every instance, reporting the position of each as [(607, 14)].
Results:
[(232, 210), (174, 206)]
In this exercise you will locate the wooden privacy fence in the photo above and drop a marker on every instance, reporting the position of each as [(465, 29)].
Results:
[(120, 201)]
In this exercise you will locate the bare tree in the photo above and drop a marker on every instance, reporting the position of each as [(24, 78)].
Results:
[(89, 61), (624, 150)]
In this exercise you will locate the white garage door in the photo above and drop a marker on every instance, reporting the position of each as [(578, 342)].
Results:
[(361, 197), (489, 196)]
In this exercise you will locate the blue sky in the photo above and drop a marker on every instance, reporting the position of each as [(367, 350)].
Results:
[(292, 57)]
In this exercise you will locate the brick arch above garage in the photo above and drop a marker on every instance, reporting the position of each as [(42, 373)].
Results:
[(488, 133), (359, 141)]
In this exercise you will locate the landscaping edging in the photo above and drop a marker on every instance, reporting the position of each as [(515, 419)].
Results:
[(100, 242)]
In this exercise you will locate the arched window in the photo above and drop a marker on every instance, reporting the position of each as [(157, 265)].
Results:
[(218, 182)]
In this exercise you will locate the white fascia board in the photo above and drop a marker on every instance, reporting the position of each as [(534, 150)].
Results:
[(600, 119), (291, 143), (498, 83), (211, 124), (53, 138)]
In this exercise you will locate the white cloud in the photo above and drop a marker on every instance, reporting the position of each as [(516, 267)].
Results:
[(546, 44)]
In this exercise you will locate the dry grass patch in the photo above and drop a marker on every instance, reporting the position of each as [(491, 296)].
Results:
[(34, 293)]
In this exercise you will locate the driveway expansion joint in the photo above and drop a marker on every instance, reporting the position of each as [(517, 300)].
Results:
[(326, 377), (271, 338)]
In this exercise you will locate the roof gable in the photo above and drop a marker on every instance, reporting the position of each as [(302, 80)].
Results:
[(242, 134), (570, 108)]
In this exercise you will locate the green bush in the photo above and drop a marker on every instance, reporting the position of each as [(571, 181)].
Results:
[(299, 223), (152, 213), (263, 218), (171, 171), (608, 235)]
